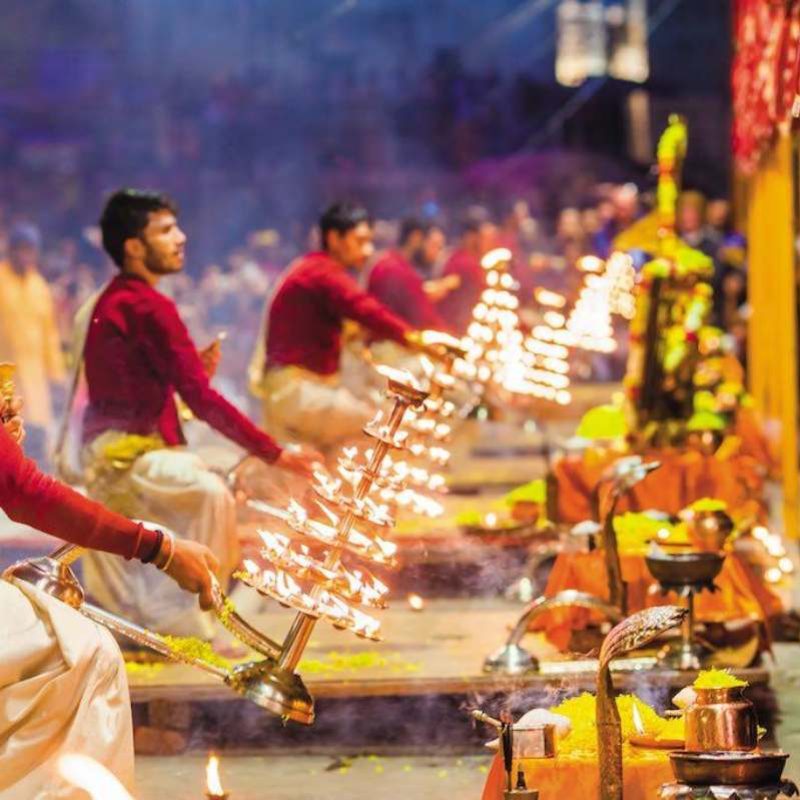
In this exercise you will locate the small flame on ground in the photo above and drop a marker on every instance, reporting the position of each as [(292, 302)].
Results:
[(213, 784), (491, 520), (415, 602)]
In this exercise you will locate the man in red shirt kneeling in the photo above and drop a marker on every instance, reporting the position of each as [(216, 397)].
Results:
[(137, 354), (296, 367)]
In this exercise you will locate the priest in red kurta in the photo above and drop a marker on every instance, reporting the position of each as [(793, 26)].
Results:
[(296, 368), (62, 681), (137, 354), (397, 283), (477, 238)]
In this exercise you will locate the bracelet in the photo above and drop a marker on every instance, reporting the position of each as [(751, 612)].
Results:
[(171, 553), (163, 560)]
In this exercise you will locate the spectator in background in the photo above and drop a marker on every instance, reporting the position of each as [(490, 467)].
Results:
[(431, 251), (617, 215), (569, 231), (398, 285), (478, 237), (29, 333), (691, 225), (718, 220)]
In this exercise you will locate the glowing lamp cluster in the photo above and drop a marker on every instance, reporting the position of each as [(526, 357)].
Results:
[(780, 565), (500, 354), (310, 563)]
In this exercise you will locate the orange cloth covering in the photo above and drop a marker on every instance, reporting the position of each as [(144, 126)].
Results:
[(741, 595), (685, 476), (574, 776)]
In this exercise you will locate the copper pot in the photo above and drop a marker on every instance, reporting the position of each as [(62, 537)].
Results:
[(721, 719), (709, 530)]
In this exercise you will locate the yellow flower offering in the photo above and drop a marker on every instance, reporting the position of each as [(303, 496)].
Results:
[(603, 422), (533, 492), (635, 531), (124, 451), (718, 679), (194, 648), (674, 730), (582, 713), (708, 504)]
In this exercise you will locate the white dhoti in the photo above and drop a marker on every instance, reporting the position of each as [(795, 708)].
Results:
[(174, 488), (62, 690), (313, 409)]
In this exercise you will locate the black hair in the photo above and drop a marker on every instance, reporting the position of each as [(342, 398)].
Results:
[(411, 225), (126, 215), (341, 217), (473, 219)]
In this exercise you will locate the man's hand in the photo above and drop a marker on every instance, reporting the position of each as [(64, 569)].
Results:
[(437, 290), (191, 568), (210, 356), (12, 420), (301, 460)]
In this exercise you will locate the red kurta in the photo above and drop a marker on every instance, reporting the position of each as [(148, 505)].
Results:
[(32, 498), (456, 308), (314, 297), (137, 354), (395, 282)]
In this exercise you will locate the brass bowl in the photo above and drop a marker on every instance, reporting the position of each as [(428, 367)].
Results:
[(724, 768), (709, 530), (685, 569)]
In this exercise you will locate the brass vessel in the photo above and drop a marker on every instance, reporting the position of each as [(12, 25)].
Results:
[(743, 770), (709, 530), (721, 719)]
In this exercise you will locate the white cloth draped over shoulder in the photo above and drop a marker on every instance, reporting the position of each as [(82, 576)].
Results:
[(63, 690)]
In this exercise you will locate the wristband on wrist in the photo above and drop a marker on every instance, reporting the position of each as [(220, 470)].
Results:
[(167, 552), (155, 549)]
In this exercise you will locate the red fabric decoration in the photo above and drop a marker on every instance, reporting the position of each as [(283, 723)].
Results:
[(765, 75)]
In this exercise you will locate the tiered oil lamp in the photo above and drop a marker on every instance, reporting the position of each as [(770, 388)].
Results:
[(498, 352), (323, 587), (309, 575), (431, 427)]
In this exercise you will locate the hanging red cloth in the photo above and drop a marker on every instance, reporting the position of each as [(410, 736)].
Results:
[(765, 75)]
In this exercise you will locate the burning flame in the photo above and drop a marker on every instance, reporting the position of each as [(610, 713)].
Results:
[(213, 784), (638, 723), (87, 774), (495, 257), (547, 298), (402, 376), (415, 602)]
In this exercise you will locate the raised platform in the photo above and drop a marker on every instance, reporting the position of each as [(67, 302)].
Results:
[(427, 672)]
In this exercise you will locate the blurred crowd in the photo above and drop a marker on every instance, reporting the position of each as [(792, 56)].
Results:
[(229, 294)]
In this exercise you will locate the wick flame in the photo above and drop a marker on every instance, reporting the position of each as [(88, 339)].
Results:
[(85, 773), (416, 602), (638, 723), (213, 784)]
